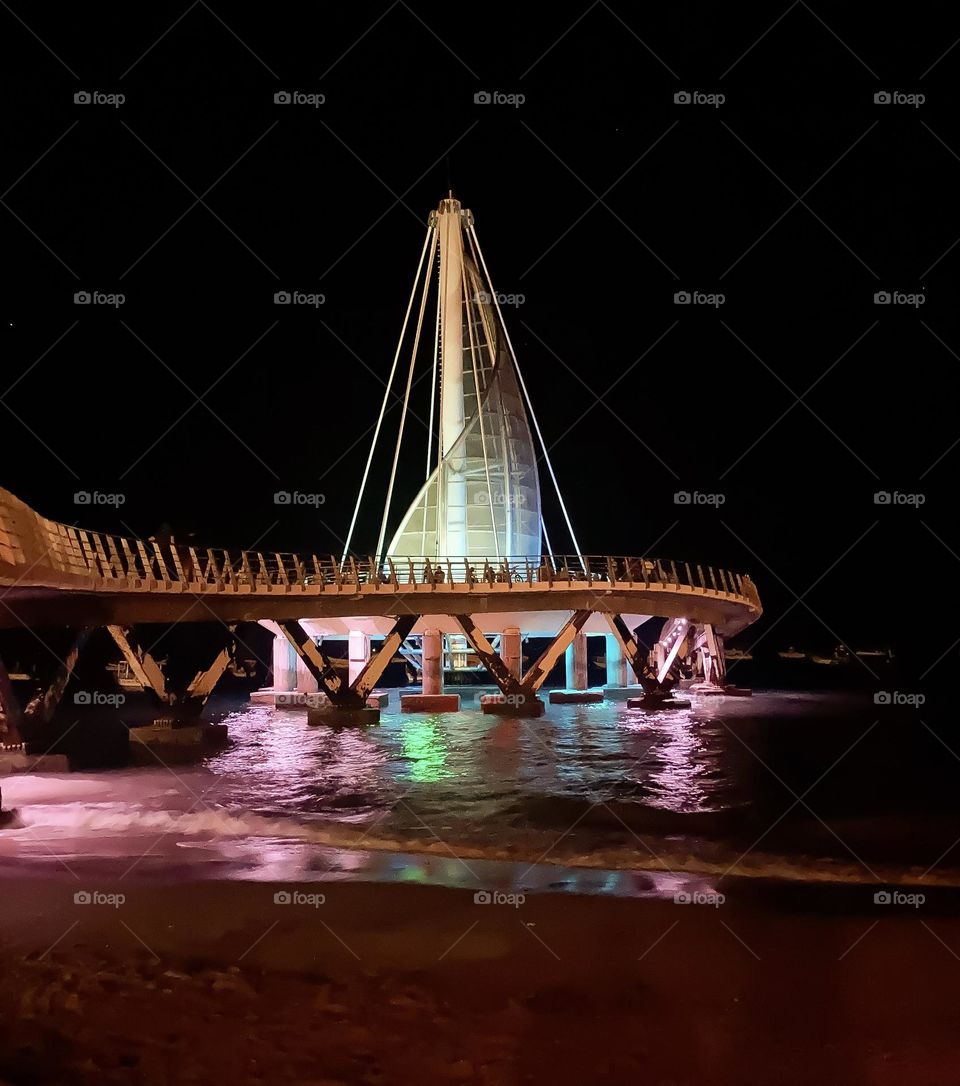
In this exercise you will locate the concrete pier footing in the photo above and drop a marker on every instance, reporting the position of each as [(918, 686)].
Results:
[(622, 693), (648, 702), (19, 761), (575, 697), (510, 705), (429, 703), (170, 740), (330, 716)]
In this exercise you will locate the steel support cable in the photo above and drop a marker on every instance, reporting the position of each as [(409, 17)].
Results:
[(406, 396), (526, 396), (386, 399)]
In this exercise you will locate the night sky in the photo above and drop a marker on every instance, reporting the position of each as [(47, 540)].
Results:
[(798, 198)]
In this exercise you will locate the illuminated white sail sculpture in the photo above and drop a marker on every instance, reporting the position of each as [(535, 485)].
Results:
[(481, 496)]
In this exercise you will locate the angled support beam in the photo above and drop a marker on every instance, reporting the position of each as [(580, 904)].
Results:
[(146, 670), (632, 651), (510, 685), (41, 709), (677, 634), (710, 646), (536, 674), (315, 660), (203, 683), (376, 665), (150, 675)]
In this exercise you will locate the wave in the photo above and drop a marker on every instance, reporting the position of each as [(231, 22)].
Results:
[(651, 852)]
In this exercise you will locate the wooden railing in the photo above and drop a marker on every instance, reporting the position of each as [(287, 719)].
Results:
[(149, 565)]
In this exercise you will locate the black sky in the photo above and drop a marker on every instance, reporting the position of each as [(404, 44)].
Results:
[(597, 199)]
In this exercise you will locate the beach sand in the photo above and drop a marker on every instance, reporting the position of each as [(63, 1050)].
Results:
[(394, 984)]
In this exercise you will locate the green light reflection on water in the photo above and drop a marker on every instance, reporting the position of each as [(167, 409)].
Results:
[(425, 747)]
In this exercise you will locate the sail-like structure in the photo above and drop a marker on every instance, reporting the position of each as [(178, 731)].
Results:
[(482, 499)]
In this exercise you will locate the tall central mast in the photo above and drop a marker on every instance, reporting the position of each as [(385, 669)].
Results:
[(453, 522)]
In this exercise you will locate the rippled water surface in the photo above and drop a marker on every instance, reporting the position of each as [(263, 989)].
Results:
[(780, 784)]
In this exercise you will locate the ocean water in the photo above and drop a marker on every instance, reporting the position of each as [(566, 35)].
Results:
[(826, 788)]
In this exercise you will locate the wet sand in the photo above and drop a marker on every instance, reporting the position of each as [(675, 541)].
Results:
[(215, 982)]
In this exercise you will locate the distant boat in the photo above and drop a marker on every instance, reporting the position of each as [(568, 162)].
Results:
[(841, 656), (792, 654)]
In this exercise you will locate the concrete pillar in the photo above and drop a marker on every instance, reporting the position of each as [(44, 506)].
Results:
[(306, 683), (510, 650), (359, 653), (576, 661), (432, 661), (284, 664), (616, 662)]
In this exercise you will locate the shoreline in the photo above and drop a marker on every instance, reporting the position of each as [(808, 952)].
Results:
[(405, 983)]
